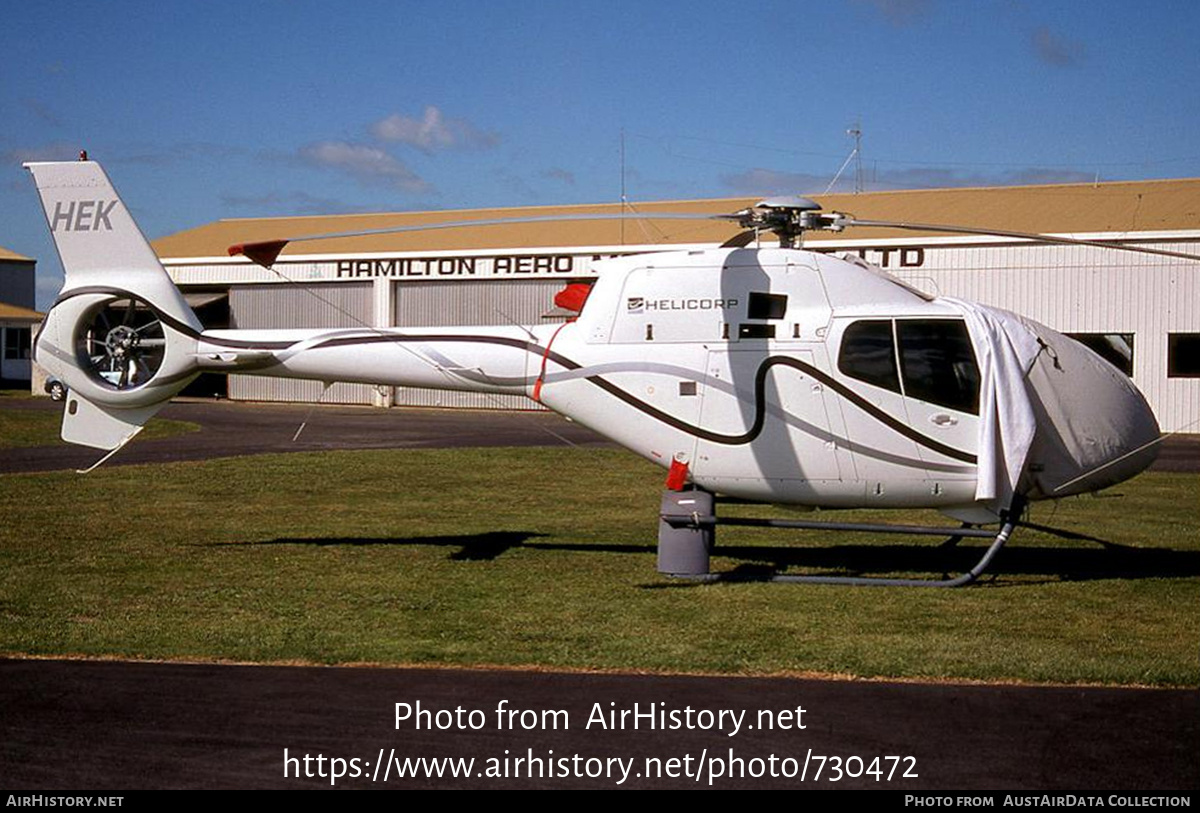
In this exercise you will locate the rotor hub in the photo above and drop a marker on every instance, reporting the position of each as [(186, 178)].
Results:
[(121, 341), (787, 217)]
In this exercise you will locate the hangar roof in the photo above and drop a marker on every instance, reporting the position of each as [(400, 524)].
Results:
[(12, 256), (1164, 205), (17, 313)]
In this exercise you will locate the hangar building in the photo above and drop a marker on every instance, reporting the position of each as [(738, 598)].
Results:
[(17, 316), (1141, 311)]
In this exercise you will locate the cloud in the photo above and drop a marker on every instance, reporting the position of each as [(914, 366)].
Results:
[(558, 174), (367, 165), (773, 182), (1055, 50), (901, 12), (943, 177), (43, 111), (432, 132), (144, 154), (760, 181), (47, 284), (516, 185), (1041, 175), (293, 203), (59, 151), (162, 154)]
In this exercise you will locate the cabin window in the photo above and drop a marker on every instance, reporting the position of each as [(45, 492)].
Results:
[(1115, 348), (766, 306), (937, 363), (869, 354), (1183, 355)]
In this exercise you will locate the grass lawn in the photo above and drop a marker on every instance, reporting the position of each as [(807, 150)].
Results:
[(545, 557)]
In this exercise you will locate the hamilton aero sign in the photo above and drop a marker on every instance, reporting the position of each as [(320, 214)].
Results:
[(530, 265), (513, 265)]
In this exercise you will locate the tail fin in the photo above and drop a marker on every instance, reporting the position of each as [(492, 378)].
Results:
[(120, 335)]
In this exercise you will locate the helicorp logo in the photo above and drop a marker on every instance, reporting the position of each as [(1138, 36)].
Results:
[(636, 304)]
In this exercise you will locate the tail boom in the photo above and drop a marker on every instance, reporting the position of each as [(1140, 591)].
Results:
[(474, 359)]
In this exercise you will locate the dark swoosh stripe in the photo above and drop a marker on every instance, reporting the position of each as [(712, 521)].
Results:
[(879, 415), (171, 321), (698, 431), (760, 378), (760, 409), (520, 344)]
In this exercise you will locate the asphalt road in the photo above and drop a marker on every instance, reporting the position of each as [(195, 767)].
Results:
[(230, 428), (106, 725), (110, 725)]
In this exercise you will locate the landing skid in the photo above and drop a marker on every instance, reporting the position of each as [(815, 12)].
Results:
[(687, 532)]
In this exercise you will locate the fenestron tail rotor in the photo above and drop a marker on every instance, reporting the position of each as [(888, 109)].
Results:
[(121, 343)]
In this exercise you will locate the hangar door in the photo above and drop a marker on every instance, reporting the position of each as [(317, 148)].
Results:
[(474, 302), (299, 306)]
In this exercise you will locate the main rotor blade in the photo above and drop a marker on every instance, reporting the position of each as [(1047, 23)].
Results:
[(741, 239), (1040, 238), (265, 252)]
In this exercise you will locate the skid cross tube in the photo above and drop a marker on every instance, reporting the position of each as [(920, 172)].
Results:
[(696, 522), (881, 527)]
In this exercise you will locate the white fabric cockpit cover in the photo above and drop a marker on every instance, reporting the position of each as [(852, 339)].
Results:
[(1005, 348)]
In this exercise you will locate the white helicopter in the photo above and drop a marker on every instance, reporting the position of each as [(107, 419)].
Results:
[(768, 374)]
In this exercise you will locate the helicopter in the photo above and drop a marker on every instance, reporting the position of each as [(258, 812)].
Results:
[(766, 374)]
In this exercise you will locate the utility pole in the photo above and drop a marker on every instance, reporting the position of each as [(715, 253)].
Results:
[(856, 131), (624, 200)]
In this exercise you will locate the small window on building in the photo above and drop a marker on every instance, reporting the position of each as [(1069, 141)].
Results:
[(869, 354), (937, 363), (16, 343), (766, 306), (1183, 355), (1115, 348)]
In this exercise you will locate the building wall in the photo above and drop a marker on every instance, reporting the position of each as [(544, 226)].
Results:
[(17, 283)]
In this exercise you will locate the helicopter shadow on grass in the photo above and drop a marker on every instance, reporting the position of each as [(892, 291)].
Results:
[(1031, 564), (483, 547), (760, 563)]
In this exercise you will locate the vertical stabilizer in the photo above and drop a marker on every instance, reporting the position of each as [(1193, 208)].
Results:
[(97, 239), (120, 335)]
